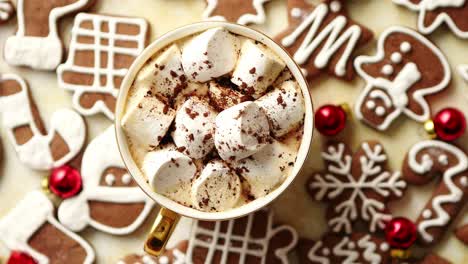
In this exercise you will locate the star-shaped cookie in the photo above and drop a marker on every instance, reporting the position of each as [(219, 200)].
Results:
[(323, 38), (247, 12)]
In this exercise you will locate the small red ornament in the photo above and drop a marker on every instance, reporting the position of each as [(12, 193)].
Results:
[(449, 124), (65, 181), (330, 119), (400, 233), (17, 257)]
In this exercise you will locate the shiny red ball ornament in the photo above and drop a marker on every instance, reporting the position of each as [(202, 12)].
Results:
[(17, 257), (65, 181), (330, 119), (449, 124), (400, 233)]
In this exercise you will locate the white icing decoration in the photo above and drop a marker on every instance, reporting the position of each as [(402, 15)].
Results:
[(387, 69), (335, 6), (370, 253), (373, 178), (396, 57), (110, 179), (440, 218), (43, 53), (258, 18), (15, 110), (463, 70), (340, 250), (425, 6), (426, 214), (405, 47), (101, 153), (384, 247), (370, 104), (296, 12), (6, 9), (443, 159), (397, 89), (126, 179), (332, 35), (464, 181), (380, 111), (244, 240), (111, 49), (17, 227), (326, 251)]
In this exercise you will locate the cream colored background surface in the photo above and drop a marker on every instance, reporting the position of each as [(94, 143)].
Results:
[(294, 207)]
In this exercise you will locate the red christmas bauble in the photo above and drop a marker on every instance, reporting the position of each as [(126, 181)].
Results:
[(65, 181), (330, 120), (17, 257), (449, 124), (400, 233)]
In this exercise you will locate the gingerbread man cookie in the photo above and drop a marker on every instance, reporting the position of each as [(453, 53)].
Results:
[(354, 248), (6, 10), (323, 38), (406, 69), (242, 12), (424, 161), (433, 13), (102, 48), (251, 239), (110, 200), (463, 69), (37, 43), (32, 229), (357, 186), (462, 233), (34, 147)]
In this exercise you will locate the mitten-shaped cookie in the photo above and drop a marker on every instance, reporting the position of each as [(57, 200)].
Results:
[(32, 229), (37, 43)]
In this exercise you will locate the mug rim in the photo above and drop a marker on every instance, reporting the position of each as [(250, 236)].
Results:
[(181, 33)]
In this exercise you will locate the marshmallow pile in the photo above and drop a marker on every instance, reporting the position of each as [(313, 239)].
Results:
[(213, 114)]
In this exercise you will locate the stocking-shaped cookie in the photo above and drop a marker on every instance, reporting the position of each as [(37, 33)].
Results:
[(37, 43), (323, 37), (250, 239), (424, 161), (406, 69), (433, 13), (110, 200), (31, 228), (36, 148), (242, 12), (354, 248), (102, 48), (357, 186), (6, 10)]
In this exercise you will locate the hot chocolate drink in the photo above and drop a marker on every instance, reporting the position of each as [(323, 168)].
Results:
[(214, 121)]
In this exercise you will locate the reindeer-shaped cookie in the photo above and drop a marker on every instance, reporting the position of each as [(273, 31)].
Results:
[(431, 158), (110, 200), (406, 69)]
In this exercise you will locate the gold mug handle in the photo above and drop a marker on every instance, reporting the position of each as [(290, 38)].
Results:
[(161, 231)]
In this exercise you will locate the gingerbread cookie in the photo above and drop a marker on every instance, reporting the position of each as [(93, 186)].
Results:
[(357, 186), (7, 10), (35, 147), (251, 239), (354, 248), (242, 12), (110, 200), (32, 229), (37, 43), (462, 233), (433, 259), (323, 38), (102, 48), (424, 161), (433, 13), (463, 69), (174, 256), (407, 68)]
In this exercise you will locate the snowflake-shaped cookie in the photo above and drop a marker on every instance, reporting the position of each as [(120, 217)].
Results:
[(357, 186)]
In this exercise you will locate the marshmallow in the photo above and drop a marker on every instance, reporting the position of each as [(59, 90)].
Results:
[(217, 189), (266, 169), (193, 89), (284, 107), (211, 54), (257, 69), (164, 74), (146, 119), (168, 170), (241, 131), (194, 128), (224, 97)]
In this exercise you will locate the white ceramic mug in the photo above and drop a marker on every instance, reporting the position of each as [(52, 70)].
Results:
[(171, 211)]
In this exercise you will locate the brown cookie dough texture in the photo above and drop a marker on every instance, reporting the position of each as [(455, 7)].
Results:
[(462, 233)]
